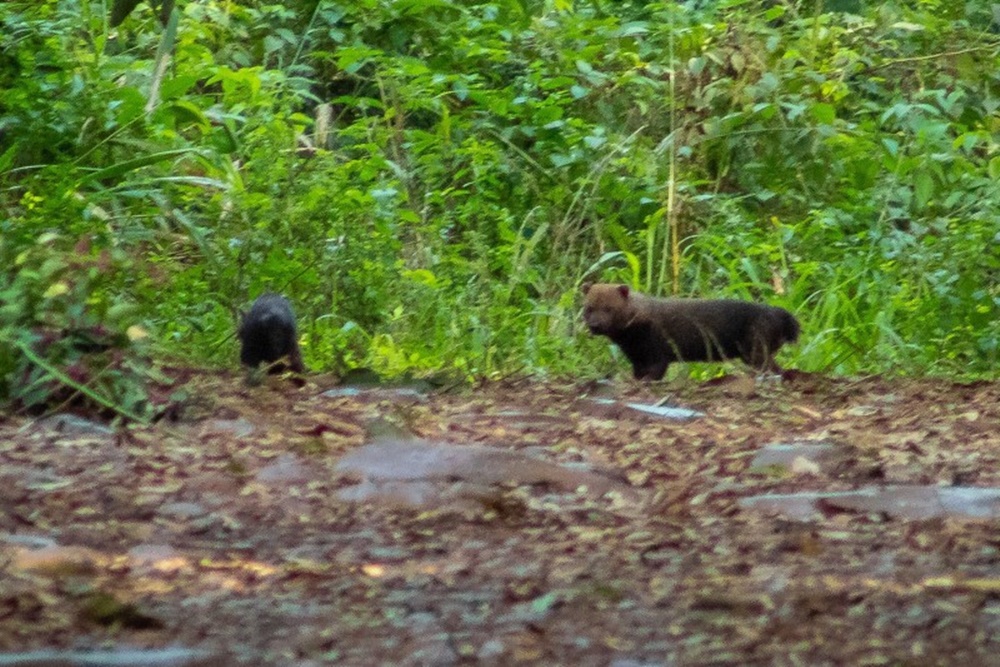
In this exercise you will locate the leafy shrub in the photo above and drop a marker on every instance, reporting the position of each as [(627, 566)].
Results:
[(61, 342), (430, 181)]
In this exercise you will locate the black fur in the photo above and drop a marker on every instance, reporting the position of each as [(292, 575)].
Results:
[(653, 332), (267, 333)]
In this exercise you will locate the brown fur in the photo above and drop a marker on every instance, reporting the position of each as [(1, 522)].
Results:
[(268, 334), (655, 332)]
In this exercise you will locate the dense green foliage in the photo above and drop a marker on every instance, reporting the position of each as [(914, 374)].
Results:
[(431, 180)]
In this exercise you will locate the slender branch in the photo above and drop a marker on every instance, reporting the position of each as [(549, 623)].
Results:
[(934, 56)]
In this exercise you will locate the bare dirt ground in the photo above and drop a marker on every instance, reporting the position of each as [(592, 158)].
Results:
[(233, 530)]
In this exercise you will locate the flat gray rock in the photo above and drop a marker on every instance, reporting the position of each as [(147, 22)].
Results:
[(665, 411), (788, 456), (240, 428), (73, 425), (458, 496), (902, 502), (56, 560), (662, 411), (286, 468), (375, 394), (183, 510), (27, 541), (151, 554), (168, 657), (415, 471), (421, 460)]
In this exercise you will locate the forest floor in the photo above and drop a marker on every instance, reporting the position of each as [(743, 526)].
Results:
[(520, 522)]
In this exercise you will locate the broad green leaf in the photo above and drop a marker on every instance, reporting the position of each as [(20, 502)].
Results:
[(775, 12), (923, 188), (126, 166), (544, 603), (891, 146), (823, 113), (56, 289), (993, 168), (422, 276), (7, 157)]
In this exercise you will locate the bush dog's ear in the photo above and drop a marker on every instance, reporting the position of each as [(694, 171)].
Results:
[(586, 287), (623, 290)]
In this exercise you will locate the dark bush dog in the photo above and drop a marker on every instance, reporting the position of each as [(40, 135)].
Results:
[(654, 332), (267, 334)]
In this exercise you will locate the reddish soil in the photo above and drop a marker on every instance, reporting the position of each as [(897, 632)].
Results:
[(231, 535)]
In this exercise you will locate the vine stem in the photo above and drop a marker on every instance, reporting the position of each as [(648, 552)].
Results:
[(70, 382)]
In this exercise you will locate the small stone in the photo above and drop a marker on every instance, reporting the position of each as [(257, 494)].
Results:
[(73, 425), (28, 541), (240, 428), (156, 556), (376, 394), (663, 411), (421, 620), (388, 553), (491, 649), (435, 650), (803, 466), (381, 429), (58, 560), (341, 392), (796, 457), (286, 468), (183, 510)]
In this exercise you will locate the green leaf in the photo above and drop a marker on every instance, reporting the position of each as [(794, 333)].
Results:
[(185, 113), (544, 603), (272, 44), (422, 276), (823, 113), (923, 188), (775, 12), (178, 85), (7, 157), (993, 168), (122, 168), (891, 146)]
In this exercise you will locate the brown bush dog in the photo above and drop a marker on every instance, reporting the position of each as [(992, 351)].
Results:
[(268, 334), (655, 332)]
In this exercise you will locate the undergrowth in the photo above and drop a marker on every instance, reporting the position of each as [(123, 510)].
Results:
[(430, 181)]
